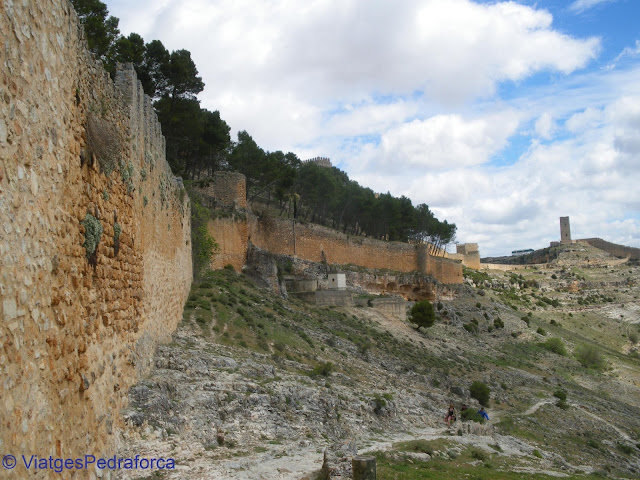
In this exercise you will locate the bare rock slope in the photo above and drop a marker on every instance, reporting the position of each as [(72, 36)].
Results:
[(254, 386)]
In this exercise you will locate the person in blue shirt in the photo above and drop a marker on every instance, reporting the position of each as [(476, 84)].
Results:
[(483, 414)]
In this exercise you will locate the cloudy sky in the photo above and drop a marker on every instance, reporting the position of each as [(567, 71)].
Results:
[(501, 116)]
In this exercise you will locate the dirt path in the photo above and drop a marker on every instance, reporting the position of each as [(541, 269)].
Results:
[(534, 408)]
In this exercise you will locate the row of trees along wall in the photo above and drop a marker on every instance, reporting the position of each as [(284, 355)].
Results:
[(95, 255)]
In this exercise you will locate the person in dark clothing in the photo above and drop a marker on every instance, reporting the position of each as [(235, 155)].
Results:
[(483, 414)]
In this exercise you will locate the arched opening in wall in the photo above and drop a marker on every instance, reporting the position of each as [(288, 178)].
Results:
[(392, 286)]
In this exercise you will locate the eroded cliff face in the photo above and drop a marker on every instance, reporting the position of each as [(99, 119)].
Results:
[(95, 254)]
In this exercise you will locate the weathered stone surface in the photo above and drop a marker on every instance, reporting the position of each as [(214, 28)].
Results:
[(92, 329)]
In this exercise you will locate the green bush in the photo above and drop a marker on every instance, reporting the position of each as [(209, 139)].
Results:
[(633, 337), (541, 331), (498, 323), (471, 415), (589, 356), (479, 455), (324, 369), (471, 327), (561, 394), (555, 345), (480, 392), (422, 314)]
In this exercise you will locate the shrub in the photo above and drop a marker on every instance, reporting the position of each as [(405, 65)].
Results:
[(589, 356), (625, 448), (536, 453), (541, 331), (480, 392), (471, 327), (380, 403), (421, 446), (323, 369), (555, 345), (422, 313), (479, 455), (560, 394), (594, 444), (498, 323), (633, 337), (472, 415)]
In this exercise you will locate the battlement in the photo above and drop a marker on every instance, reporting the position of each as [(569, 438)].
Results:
[(320, 161)]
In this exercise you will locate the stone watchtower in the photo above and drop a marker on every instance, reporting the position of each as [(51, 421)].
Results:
[(565, 230)]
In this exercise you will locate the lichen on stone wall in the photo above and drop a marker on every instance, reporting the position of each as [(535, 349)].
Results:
[(92, 234)]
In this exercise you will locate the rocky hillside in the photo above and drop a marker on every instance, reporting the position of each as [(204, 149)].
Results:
[(255, 386)]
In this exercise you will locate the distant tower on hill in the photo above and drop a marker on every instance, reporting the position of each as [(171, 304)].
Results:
[(565, 230), (320, 161)]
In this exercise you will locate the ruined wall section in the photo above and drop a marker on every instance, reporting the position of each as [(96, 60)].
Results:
[(224, 190), (74, 336)]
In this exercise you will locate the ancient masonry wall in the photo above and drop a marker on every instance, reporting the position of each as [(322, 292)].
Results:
[(225, 189), (317, 244), (75, 336), (232, 236), (320, 244), (468, 254)]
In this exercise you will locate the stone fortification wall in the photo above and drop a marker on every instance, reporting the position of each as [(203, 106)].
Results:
[(320, 244), (613, 248), (468, 254), (224, 189), (317, 244), (232, 235), (78, 328), (503, 267), (445, 270)]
